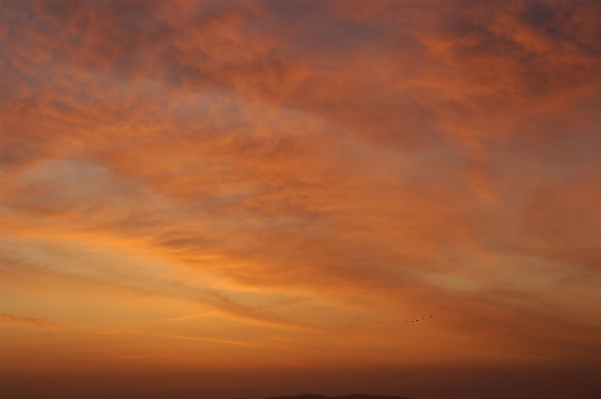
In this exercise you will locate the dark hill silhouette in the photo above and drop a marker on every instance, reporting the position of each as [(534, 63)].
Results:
[(355, 396)]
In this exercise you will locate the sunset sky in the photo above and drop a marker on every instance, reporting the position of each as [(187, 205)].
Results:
[(260, 198)]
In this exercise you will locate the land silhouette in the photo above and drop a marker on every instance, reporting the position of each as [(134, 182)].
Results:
[(354, 396)]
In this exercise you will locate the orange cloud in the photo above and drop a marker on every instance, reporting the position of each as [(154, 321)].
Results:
[(319, 172)]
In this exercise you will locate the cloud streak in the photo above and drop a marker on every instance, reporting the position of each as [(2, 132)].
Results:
[(34, 322)]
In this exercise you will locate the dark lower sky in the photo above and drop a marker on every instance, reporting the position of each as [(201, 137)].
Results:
[(467, 382), (258, 198)]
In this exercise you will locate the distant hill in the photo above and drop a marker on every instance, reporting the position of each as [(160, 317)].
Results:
[(355, 396)]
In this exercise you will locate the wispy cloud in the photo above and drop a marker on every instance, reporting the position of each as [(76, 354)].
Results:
[(251, 169)]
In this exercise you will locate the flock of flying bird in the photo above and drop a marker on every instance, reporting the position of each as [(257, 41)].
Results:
[(407, 321)]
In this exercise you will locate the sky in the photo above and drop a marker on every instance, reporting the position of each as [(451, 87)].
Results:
[(258, 198)]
